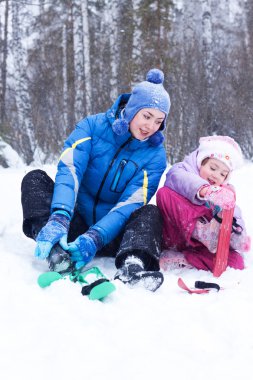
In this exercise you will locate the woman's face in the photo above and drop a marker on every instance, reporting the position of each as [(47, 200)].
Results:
[(214, 171), (146, 122)]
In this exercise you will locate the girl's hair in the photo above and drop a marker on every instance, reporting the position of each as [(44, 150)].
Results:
[(205, 161)]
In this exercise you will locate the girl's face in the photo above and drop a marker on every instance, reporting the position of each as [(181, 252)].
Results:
[(146, 122), (214, 171)]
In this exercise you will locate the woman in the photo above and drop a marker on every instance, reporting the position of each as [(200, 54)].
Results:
[(110, 166)]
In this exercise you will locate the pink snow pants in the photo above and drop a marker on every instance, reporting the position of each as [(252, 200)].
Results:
[(179, 220)]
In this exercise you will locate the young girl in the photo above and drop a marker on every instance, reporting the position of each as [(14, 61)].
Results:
[(195, 192), (110, 166)]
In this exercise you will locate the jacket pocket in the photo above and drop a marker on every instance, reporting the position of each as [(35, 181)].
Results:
[(124, 173)]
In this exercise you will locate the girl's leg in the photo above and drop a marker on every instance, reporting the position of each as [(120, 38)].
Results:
[(240, 242), (179, 219), (182, 222), (207, 233), (235, 260), (202, 259)]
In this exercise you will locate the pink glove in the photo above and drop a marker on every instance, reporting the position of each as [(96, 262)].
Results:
[(230, 187), (220, 196), (241, 243)]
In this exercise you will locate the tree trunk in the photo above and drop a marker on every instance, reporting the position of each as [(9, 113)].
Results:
[(111, 16), (64, 76), (78, 59), (86, 57), (4, 65), (24, 128), (137, 40)]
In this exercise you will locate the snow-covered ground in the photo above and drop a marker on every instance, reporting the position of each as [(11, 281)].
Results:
[(56, 333)]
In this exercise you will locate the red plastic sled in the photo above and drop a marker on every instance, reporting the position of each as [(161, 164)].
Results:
[(221, 258)]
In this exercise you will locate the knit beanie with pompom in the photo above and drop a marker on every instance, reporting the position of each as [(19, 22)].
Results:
[(147, 94)]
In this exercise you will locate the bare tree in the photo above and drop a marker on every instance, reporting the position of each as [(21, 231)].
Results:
[(24, 131), (4, 52), (74, 57), (78, 59), (86, 55)]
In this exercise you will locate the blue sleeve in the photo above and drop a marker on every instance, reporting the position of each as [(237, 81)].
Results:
[(72, 165), (138, 193)]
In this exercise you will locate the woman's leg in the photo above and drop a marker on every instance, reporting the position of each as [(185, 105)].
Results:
[(138, 256), (36, 197), (142, 237)]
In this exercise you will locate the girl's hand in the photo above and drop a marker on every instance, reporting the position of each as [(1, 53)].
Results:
[(203, 190), (230, 187), (220, 196)]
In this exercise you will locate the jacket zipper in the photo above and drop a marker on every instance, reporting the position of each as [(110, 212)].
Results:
[(118, 175), (105, 176)]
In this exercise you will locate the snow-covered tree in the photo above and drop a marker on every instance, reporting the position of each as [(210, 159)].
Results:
[(3, 61), (61, 60), (24, 131)]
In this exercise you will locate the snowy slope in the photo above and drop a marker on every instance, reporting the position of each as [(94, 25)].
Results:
[(55, 333)]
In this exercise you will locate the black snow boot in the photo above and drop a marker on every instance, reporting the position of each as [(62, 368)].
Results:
[(59, 260), (132, 272)]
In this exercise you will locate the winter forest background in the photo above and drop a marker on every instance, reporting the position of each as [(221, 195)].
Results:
[(63, 59)]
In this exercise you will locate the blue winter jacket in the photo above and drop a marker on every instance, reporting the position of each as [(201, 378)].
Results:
[(104, 175)]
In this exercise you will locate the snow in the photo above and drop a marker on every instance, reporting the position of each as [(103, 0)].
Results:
[(56, 333), (10, 155)]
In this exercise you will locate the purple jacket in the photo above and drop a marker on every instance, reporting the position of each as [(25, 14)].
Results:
[(184, 178)]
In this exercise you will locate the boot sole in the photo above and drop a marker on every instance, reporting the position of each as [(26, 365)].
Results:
[(150, 280)]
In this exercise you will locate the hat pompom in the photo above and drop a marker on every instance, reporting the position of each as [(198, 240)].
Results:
[(156, 139), (155, 76), (120, 127)]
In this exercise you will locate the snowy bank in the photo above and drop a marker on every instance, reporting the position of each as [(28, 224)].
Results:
[(56, 333)]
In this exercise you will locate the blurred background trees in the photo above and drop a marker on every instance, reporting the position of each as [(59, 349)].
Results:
[(61, 60)]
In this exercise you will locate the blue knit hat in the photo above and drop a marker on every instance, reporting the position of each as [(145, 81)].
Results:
[(147, 94)]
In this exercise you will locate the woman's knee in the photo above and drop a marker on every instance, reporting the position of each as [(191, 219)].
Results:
[(146, 212), (34, 175)]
